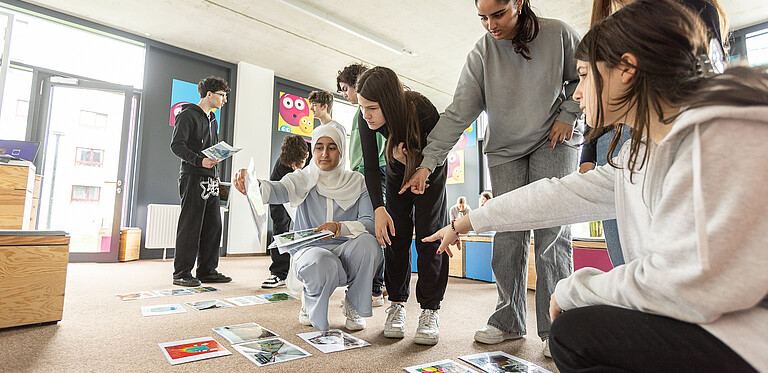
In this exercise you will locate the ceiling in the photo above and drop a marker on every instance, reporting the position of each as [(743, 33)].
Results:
[(299, 47)]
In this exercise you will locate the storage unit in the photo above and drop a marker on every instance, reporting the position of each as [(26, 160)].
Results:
[(35, 202), (130, 242), (455, 264), (33, 273), (17, 181)]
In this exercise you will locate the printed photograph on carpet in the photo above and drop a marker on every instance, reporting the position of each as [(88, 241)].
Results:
[(332, 341), (244, 332), (443, 366), (277, 297), (179, 352), (248, 300), (270, 351), (202, 289), (205, 305), (136, 295), (162, 309), (173, 292), (498, 362)]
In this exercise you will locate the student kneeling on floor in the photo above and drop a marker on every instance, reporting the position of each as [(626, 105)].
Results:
[(327, 196)]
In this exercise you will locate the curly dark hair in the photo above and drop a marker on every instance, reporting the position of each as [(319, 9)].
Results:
[(212, 84), (294, 151), (322, 98), (349, 75)]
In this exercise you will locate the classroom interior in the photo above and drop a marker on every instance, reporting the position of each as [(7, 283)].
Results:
[(88, 209)]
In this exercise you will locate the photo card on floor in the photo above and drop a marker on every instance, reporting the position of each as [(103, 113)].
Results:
[(277, 297), (248, 300), (498, 362), (270, 351), (244, 332), (162, 309), (179, 352), (443, 366), (332, 340), (136, 295), (173, 292), (205, 305), (203, 289)]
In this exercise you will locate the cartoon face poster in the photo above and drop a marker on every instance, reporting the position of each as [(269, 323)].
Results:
[(294, 115), (192, 349), (468, 137), (183, 93), (455, 164)]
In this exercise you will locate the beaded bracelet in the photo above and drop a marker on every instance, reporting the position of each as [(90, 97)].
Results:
[(453, 227)]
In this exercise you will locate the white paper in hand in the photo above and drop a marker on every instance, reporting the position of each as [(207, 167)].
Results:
[(220, 151), (253, 193)]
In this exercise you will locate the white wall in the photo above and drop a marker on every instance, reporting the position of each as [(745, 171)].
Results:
[(253, 133)]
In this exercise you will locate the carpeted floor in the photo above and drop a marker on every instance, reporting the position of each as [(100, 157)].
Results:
[(100, 333)]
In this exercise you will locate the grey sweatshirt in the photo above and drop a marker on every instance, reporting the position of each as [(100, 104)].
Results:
[(522, 97), (692, 227)]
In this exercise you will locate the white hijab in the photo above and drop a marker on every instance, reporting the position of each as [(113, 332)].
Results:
[(339, 184)]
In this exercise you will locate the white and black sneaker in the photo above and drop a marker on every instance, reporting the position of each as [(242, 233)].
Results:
[(272, 282)]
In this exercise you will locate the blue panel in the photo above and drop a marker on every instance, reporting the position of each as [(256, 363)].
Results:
[(478, 261), (414, 255)]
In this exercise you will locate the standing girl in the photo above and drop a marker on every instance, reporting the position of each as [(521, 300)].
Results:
[(405, 119)]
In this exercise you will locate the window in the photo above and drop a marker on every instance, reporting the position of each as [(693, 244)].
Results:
[(90, 157), (82, 193), (93, 119), (757, 47)]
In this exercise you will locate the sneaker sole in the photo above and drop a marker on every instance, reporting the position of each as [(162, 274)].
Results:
[(354, 328), (215, 281), (394, 334), (494, 341), (425, 341), (271, 286)]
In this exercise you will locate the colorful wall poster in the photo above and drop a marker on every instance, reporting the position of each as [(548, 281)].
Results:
[(455, 163), (294, 115), (192, 350), (468, 138), (182, 93)]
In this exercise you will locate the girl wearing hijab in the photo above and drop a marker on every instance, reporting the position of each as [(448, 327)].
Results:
[(328, 197)]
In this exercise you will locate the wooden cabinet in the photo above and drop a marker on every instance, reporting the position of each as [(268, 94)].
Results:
[(17, 181), (33, 272)]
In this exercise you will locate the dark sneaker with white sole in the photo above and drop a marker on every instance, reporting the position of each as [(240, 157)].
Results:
[(215, 278), (272, 282), (186, 281)]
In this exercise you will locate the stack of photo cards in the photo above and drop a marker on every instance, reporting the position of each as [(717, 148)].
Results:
[(244, 332), (277, 297), (332, 340), (270, 351), (499, 362), (204, 305), (446, 366), (192, 350), (162, 309), (136, 295), (248, 300)]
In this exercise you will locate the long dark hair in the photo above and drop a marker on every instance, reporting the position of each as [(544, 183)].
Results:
[(381, 85), (527, 27), (668, 41)]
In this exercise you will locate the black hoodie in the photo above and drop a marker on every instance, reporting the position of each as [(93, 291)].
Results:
[(193, 132)]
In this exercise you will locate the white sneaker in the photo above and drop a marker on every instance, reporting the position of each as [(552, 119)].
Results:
[(272, 282), (428, 331), (354, 321), (377, 300), (394, 327), (546, 349), (304, 317), (491, 335)]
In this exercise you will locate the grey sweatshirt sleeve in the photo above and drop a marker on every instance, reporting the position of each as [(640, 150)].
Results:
[(683, 276), (569, 111), (552, 202), (468, 103)]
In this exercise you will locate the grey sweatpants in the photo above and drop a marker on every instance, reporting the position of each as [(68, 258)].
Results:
[(553, 249), (352, 263)]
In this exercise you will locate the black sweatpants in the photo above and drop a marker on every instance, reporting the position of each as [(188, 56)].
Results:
[(281, 223), (427, 212), (612, 339), (198, 234)]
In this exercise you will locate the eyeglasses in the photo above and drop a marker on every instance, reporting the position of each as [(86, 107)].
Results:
[(223, 95)]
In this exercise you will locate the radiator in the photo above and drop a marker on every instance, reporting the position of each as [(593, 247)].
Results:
[(161, 226)]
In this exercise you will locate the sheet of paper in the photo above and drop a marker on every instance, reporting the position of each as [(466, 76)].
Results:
[(270, 351), (332, 340), (500, 362), (192, 350), (244, 332), (137, 295), (277, 297), (162, 309), (220, 151), (258, 210), (205, 305), (248, 300), (448, 366)]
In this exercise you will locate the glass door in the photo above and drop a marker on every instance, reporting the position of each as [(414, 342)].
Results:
[(85, 138)]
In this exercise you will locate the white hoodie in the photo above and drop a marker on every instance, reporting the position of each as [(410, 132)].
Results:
[(693, 227)]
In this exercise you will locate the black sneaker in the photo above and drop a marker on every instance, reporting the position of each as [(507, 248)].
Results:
[(216, 278), (272, 282), (186, 281)]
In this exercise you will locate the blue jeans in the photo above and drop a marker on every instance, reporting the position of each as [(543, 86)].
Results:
[(552, 246), (610, 227)]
